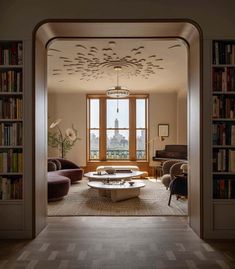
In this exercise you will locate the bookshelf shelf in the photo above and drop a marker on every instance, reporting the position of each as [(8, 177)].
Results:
[(10, 66), (223, 65), (11, 173), (222, 119), (11, 120), (224, 173), (223, 146), (223, 93), (11, 147), (12, 202), (224, 201), (11, 93), (11, 125)]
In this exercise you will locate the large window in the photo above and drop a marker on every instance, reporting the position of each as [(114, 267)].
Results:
[(117, 128)]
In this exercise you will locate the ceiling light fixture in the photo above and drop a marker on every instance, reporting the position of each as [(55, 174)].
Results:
[(117, 91)]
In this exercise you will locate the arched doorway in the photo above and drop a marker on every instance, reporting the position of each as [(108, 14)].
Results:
[(46, 31)]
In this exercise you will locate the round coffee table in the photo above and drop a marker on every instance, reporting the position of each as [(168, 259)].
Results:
[(118, 191), (93, 176)]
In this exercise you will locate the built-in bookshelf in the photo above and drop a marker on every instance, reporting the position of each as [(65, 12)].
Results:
[(223, 120), (11, 121)]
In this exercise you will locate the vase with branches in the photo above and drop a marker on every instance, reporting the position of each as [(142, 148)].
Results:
[(62, 141)]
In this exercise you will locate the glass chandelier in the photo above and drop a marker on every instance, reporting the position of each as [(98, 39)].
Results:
[(117, 91)]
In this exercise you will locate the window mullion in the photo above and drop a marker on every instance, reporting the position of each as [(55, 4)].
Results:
[(132, 126), (102, 129)]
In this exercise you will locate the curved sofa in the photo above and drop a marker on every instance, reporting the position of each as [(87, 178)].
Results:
[(61, 173)]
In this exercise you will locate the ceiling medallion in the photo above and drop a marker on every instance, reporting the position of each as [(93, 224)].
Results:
[(117, 91)]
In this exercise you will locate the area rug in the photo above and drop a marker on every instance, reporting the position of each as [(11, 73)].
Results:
[(84, 201)]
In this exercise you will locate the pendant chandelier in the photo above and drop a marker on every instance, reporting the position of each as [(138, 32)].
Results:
[(117, 91)]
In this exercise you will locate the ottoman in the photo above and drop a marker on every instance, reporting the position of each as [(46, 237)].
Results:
[(58, 186)]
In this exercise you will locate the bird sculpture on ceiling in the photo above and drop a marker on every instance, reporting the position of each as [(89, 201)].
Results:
[(96, 63)]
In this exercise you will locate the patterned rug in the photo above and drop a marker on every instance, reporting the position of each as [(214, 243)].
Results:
[(84, 201)]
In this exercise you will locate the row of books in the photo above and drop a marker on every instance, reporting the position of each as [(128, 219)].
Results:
[(11, 108), (11, 81), (224, 79), (11, 161), (223, 52), (11, 53), (11, 188), (223, 107), (11, 134), (223, 160), (224, 188), (223, 134)]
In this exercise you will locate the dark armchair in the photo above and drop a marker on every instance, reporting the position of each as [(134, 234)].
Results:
[(178, 186), (170, 170)]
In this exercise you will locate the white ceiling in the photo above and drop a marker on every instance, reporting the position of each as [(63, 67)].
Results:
[(148, 65)]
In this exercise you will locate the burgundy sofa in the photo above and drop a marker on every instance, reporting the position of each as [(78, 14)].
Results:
[(61, 173)]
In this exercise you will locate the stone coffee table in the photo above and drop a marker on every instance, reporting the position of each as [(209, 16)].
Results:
[(94, 176), (118, 191)]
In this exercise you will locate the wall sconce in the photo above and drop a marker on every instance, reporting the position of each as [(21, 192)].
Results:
[(163, 131)]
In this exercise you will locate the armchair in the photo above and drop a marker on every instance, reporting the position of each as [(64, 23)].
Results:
[(170, 169)]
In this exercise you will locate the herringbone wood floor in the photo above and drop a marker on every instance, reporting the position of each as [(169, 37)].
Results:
[(117, 242)]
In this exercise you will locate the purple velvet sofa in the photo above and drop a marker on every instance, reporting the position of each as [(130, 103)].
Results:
[(61, 173)]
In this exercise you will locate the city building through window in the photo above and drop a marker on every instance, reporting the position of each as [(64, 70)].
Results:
[(117, 128)]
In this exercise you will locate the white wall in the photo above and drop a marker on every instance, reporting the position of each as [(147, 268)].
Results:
[(71, 108), (162, 109), (182, 117)]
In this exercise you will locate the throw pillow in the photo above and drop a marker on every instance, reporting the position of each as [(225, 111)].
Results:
[(51, 166), (57, 163)]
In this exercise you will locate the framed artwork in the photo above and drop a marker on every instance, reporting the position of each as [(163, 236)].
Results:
[(163, 130)]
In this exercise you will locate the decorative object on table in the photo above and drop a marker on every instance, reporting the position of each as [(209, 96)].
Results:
[(64, 142), (110, 171), (163, 131)]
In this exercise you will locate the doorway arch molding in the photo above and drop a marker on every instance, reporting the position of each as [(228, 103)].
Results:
[(48, 30)]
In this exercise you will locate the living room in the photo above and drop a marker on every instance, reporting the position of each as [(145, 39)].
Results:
[(122, 242), (75, 96)]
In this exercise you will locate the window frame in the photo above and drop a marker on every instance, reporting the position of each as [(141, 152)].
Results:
[(132, 128)]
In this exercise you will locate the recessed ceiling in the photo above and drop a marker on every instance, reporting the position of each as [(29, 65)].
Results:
[(148, 65)]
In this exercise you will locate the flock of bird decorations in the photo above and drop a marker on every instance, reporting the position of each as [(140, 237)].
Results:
[(92, 63)]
